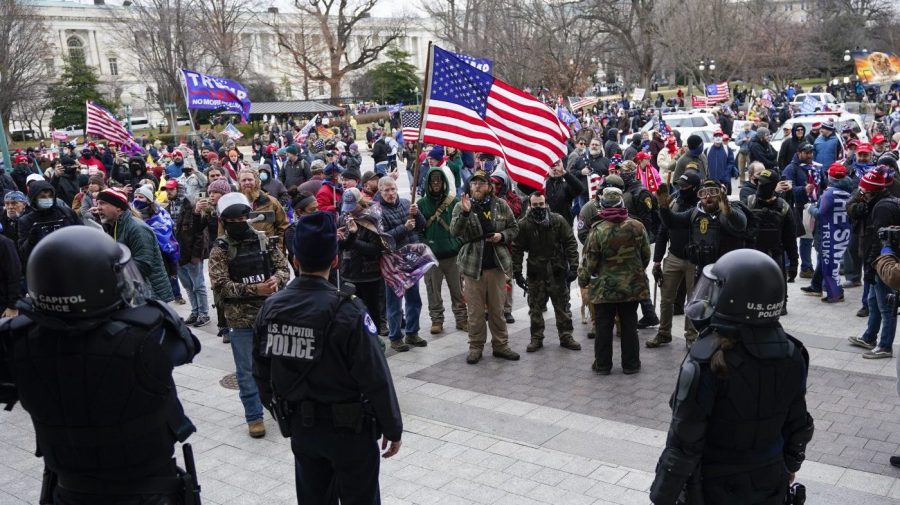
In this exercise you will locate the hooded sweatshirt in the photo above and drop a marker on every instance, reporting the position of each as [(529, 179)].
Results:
[(437, 230), (791, 146), (37, 224)]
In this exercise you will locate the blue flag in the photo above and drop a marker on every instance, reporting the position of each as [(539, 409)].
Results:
[(211, 92), (834, 225), (567, 117)]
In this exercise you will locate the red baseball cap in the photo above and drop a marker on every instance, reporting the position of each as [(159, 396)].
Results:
[(878, 138), (171, 184), (864, 147), (816, 125), (642, 156), (853, 143), (837, 170)]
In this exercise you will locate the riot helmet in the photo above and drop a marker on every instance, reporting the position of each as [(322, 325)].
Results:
[(744, 287), (80, 272)]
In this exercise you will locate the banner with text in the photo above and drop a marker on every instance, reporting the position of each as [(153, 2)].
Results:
[(211, 92)]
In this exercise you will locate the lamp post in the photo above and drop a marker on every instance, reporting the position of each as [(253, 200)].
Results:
[(170, 108), (4, 146), (418, 91)]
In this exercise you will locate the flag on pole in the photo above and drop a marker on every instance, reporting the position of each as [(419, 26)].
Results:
[(324, 132), (567, 117), (577, 102), (716, 93), (103, 123), (699, 101), (304, 132), (410, 122), (471, 110), (232, 132)]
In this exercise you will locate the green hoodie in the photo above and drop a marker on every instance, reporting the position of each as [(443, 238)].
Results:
[(437, 232)]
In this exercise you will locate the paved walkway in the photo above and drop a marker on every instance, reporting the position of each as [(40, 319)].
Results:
[(543, 430)]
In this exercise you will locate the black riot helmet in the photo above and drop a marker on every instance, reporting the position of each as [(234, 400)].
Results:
[(79, 272), (745, 287)]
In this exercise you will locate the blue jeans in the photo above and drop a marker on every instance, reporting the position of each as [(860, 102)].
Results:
[(242, 351), (173, 281), (806, 245), (194, 283), (381, 168), (882, 314), (400, 324)]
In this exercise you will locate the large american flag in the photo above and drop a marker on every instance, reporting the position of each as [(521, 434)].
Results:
[(103, 123), (471, 110), (577, 102), (716, 93), (410, 122)]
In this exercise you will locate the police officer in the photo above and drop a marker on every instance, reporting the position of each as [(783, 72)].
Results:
[(244, 269), (774, 226), (552, 264), (739, 420), (714, 226), (91, 357), (319, 367)]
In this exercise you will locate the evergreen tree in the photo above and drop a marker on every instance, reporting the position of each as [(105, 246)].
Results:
[(395, 80), (77, 84)]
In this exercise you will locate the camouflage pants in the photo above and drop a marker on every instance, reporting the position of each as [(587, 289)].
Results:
[(556, 290)]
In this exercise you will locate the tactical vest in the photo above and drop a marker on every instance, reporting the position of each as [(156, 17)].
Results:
[(705, 235), (102, 399), (249, 261), (769, 223), (42, 228)]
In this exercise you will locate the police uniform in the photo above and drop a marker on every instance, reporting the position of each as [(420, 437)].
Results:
[(95, 374), (319, 366), (737, 434)]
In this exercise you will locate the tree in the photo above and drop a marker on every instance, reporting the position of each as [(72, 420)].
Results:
[(630, 29), (328, 42), (395, 80), (261, 89), (22, 52), (224, 22), (78, 84), (164, 37)]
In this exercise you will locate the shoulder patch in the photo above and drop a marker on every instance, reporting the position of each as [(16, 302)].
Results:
[(369, 324), (648, 202)]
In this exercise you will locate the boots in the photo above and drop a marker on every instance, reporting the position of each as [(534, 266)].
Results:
[(569, 343), (658, 341), (535, 344)]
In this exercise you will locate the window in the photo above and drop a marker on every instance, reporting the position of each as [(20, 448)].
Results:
[(321, 89), (113, 66), (76, 48)]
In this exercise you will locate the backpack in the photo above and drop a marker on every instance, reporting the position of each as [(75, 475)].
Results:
[(752, 232), (766, 235)]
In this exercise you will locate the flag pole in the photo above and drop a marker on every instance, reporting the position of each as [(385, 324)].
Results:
[(187, 105), (426, 85)]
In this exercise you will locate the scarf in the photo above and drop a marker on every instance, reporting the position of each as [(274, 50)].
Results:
[(614, 214)]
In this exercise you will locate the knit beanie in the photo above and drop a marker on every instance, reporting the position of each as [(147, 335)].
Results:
[(114, 197), (220, 186), (874, 180), (315, 241), (612, 197)]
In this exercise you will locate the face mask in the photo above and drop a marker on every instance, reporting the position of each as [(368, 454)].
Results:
[(44, 203), (539, 214), (70, 170), (765, 192), (627, 177), (139, 204), (88, 156), (717, 141), (263, 176), (240, 230)]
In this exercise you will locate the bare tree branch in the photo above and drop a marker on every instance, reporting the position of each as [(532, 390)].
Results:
[(22, 52)]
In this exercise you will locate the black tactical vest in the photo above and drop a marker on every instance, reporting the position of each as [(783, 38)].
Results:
[(769, 221), (705, 235), (102, 400), (248, 261)]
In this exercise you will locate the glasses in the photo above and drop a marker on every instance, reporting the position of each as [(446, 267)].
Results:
[(708, 192)]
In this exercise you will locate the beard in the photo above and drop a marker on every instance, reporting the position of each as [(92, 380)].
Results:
[(251, 194)]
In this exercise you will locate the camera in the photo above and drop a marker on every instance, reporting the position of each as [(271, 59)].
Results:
[(889, 236)]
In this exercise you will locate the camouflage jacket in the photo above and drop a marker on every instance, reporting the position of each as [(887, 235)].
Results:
[(467, 228), (240, 300), (614, 261), (551, 248)]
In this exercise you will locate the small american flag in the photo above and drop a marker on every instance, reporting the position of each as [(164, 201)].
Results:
[(594, 183), (716, 93), (324, 132), (471, 110), (577, 102), (103, 123), (410, 122)]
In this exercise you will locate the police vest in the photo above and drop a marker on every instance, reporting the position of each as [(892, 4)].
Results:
[(249, 261), (102, 399), (769, 222), (295, 339)]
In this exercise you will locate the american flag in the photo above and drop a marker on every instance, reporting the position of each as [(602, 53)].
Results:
[(577, 102), (103, 123), (232, 132), (471, 110), (595, 181), (716, 93), (324, 132), (410, 122)]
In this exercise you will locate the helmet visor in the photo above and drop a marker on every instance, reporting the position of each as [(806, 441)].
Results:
[(702, 301), (135, 290)]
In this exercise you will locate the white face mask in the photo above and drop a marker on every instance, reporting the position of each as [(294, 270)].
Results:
[(717, 141), (44, 203)]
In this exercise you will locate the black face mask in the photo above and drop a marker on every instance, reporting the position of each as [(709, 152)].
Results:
[(539, 214), (88, 156), (765, 191), (240, 230), (70, 170)]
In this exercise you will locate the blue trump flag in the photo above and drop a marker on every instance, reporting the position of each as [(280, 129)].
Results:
[(834, 226), (211, 92)]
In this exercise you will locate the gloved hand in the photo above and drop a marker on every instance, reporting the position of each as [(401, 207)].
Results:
[(572, 274), (792, 272), (657, 273), (724, 206), (521, 282), (662, 196)]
